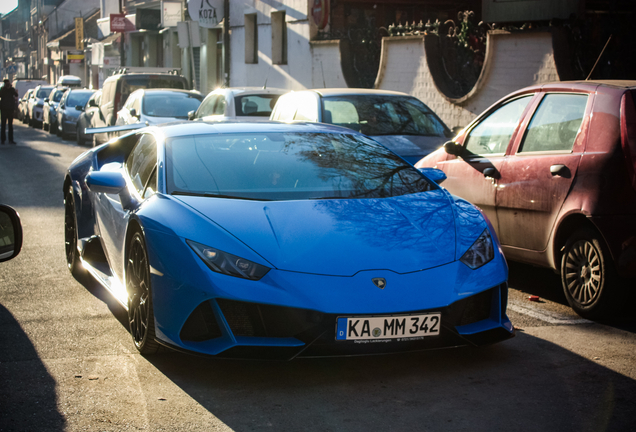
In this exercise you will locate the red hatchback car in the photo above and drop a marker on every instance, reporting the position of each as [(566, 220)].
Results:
[(554, 169)]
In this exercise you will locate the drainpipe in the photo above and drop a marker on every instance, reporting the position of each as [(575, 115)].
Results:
[(226, 42), (122, 39)]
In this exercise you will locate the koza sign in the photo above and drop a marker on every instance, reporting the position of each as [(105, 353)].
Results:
[(117, 23), (209, 13)]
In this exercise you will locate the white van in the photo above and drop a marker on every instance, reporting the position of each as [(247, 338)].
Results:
[(23, 85)]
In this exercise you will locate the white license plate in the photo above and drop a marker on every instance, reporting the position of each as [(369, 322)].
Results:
[(388, 327)]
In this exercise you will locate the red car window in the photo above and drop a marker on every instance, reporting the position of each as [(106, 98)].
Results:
[(556, 123), (493, 134)]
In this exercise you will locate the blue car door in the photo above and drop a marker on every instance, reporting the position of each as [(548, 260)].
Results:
[(112, 218)]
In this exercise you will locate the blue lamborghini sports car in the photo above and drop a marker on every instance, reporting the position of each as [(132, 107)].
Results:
[(274, 240)]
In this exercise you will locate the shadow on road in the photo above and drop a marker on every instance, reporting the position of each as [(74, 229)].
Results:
[(536, 281), (28, 399), (35, 164), (546, 284), (520, 385)]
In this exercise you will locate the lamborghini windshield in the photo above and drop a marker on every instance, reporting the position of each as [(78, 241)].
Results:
[(287, 166)]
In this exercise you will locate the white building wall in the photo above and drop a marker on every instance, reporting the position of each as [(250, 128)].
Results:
[(326, 68), (297, 73)]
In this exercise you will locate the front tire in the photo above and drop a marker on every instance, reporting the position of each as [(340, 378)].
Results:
[(70, 236), (589, 278), (78, 137), (141, 317)]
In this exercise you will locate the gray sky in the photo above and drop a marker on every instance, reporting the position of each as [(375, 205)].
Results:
[(7, 6)]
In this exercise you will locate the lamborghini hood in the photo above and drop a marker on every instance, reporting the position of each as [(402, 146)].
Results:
[(341, 237)]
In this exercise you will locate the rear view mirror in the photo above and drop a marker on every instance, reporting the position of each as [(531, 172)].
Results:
[(191, 115), (110, 182), (437, 175), (10, 233), (92, 103), (46, 100), (79, 107), (453, 148), (133, 112)]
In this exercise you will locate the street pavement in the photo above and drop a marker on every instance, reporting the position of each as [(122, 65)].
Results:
[(67, 361)]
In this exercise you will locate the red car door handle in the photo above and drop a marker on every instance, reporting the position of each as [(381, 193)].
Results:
[(560, 170)]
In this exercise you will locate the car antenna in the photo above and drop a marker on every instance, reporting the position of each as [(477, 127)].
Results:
[(599, 57), (266, 78), (323, 75)]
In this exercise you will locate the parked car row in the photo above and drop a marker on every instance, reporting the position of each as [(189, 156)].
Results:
[(552, 167)]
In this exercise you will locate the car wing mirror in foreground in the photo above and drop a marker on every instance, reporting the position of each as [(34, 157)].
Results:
[(110, 182), (437, 175), (453, 148), (191, 115), (10, 233)]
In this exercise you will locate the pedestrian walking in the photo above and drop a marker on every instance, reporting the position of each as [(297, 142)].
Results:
[(8, 96)]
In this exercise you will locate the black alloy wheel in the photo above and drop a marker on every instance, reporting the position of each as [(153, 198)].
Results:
[(141, 318), (70, 235), (590, 281)]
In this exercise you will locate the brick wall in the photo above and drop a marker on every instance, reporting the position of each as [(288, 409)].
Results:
[(513, 61), (326, 67)]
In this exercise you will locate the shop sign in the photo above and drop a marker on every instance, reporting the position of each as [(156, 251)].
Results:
[(170, 13), (320, 13), (148, 19), (209, 13), (117, 23), (111, 62), (75, 57), (79, 33)]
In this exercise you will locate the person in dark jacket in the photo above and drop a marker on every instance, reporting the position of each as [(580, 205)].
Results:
[(8, 97)]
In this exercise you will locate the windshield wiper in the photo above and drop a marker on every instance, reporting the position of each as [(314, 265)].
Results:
[(216, 195)]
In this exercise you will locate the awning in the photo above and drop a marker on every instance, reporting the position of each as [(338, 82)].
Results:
[(64, 42), (109, 40)]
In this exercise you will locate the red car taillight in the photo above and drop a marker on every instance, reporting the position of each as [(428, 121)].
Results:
[(628, 134)]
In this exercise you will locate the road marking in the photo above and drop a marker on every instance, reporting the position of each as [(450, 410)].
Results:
[(543, 315)]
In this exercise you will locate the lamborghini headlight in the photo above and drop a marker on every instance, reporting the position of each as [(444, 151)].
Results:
[(481, 252), (225, 263)]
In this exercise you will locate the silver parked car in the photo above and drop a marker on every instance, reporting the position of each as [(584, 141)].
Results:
[(49, 113), (401, 122), (156, 106), (36, 104), (69, 110), (90, 109), (250, 103)]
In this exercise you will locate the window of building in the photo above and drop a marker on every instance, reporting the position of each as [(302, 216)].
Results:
[(251, 39), (279, 38)]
